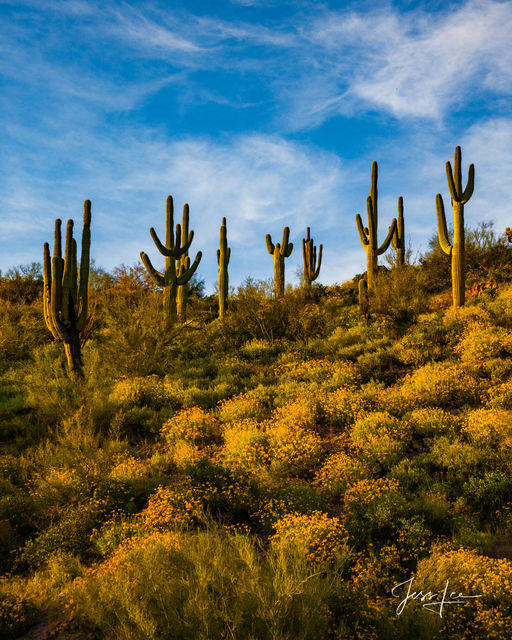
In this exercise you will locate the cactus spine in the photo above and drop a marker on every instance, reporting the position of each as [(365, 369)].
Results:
[(182, 264), (398, 239), (368, 235), (173, 250), (457, 249), (311, 266), (280, 252), (223, 255), (65, 299)]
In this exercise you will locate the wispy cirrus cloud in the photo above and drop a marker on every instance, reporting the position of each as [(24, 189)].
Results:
[(408, 64)]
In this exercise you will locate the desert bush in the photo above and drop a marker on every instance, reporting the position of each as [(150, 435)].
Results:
[(151, 391), (439, 384), (17, 613), (195, 426), (176, 586), (322, 538), (398, 297), (256, 315), (489, 493), (255, 404), (245, 446), (373, 509), (294, 450), (432, 421), (489, 428), (343, 406), (426, 341), (337, 473), (380, 438), (455, 455), (470, 574)]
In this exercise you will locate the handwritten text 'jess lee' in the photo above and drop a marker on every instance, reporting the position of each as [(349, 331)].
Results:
[(433, 601)]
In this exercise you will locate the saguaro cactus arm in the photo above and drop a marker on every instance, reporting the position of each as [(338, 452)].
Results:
[(363, 231), (158, 278), (398, 239), (454, 179), (186, 271), (65, 300), (286, 247), (387, 241), (442, 229), (309, 255), (270, 245)]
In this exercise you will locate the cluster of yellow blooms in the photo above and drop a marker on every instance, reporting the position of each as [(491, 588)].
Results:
[(194, 425), (172, 507), (320, 536), (338, 472)]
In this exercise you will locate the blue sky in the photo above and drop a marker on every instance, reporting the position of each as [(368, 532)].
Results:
[(268, 112)]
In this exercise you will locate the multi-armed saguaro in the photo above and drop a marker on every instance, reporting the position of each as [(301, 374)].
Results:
[(172, 250), (280, 252), (182, 264), (368, 234), (311, 266), (223, 255), (65, 299), (457, 249), (398, 239)]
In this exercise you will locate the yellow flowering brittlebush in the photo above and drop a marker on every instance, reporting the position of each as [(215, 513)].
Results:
[(321, 536), (337, 473)]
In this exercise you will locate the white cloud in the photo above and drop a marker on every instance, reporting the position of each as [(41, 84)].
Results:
[(410, 64), (260, 183)]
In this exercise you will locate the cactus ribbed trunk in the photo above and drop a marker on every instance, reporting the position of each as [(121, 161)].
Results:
[(279, 253), (176, 272), (363, 298), (309, 256), (458, 256), (223, 255), (65, 299), (278, 274), (368, 235), (181, 264), (456, 250), (74, 357)]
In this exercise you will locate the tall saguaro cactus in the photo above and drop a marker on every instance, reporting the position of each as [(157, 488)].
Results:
[(368, 234), (398, 239), (457, 249), (280, 252), (223, 255), (173, 250), (65, 298), (311, 265), (182, 264)]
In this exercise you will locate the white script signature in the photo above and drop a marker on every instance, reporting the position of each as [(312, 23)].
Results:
[(433, 601)]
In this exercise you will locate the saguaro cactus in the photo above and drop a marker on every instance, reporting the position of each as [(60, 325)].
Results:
[(280, 252), (172, 250), (182, 264), (398, 239), (65, 299), (223, 255), (368, 234), (363, 298), (457, 249), (311, 266)]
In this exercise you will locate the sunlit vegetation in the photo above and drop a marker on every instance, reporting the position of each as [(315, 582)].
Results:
[(270, 475)]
